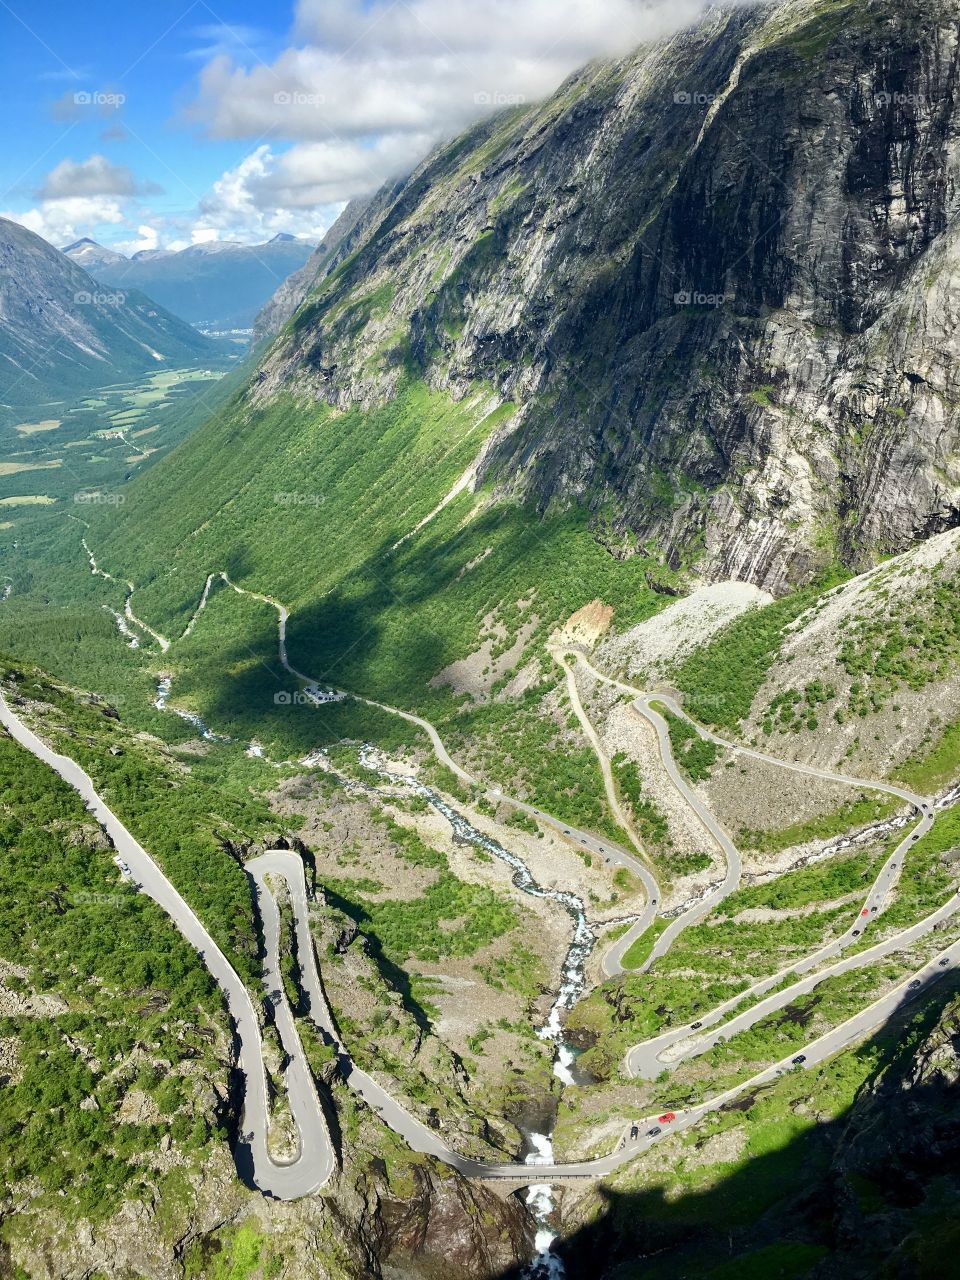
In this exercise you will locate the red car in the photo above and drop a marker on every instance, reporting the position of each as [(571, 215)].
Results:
[(667, 1117), (865, 911)]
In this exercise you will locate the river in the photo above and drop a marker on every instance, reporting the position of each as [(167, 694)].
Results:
[(546, 1265)]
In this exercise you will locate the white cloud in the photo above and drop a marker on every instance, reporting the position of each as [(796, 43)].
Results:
[(569, 31), (369, 88), (361, 93), (146, 238), (427, 67), (96, 176), (62, 221), (265, 194), (80, 198)]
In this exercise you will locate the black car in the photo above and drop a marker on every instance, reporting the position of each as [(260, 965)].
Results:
[(695, 1026), (652, 1133), (944, 962), (634, 1130), (914, 984), (856, 933), (799, 1060)]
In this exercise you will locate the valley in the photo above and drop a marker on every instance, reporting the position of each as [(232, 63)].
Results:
[(84, 455), (691, 1097)]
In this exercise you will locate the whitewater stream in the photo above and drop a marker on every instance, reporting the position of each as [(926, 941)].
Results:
[(539, 1198), (124, 628), (191, 717)]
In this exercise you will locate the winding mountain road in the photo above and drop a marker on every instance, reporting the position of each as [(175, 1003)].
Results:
[(649, 1059), (612, 854), (316, 1159), (644, 706), (652, 1057), (667, 699)]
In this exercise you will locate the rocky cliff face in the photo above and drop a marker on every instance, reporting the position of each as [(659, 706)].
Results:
[(718, 277), (440, 1228)]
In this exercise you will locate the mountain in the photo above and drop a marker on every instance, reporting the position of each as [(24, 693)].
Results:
[(832, 1169), (62, 333), (217, 286), (149, 255), (569, 591), (288, 297), (88, 254), (866, 1191), (712, 326), (716, 278)]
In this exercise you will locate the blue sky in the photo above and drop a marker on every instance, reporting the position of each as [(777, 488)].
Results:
[(135, 48), (151, 55), (166, 123)]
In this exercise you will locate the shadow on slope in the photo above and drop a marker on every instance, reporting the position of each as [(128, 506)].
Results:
[(873, 1192), (403, 615)]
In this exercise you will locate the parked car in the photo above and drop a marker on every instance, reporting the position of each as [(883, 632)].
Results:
[(634, 1130)]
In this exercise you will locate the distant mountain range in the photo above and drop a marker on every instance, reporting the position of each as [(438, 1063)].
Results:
[(288, 297), (62, 332), (217, 286)]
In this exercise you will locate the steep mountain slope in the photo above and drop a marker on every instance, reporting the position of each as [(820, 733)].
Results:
[(61, 333), (870, 676), (716, 277), (121, 1091), (218, 286), (530, 268), (782, 1179), (848, 1172), (863, 676)]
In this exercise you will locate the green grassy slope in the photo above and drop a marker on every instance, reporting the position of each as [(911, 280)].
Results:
[(314, 509), (291, 496)]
